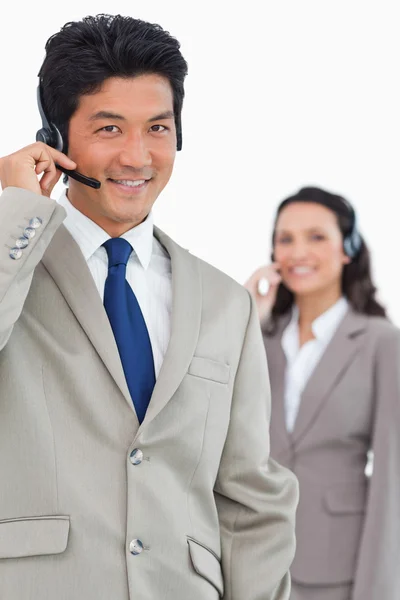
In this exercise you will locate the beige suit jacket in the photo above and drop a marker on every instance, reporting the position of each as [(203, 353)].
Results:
[(347, 527), (215, 515)]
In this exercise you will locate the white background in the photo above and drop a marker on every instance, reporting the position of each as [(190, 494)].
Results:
[(279, 95)]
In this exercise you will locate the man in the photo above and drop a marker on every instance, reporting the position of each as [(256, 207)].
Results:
[(134, 449)]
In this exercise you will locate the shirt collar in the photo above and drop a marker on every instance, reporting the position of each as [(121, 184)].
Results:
[(290, 337), (323, 327), (89, 236)]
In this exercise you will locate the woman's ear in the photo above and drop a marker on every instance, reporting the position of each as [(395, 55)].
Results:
[(346, 259)]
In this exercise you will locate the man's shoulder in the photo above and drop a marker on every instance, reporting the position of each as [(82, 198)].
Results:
[(218, 288), (211, 275), (223, 295)]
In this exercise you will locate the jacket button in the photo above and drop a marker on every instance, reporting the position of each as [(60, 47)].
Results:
[(36, 222), (136, 456), (15, 253), (135, 547), (21, 242), (29, 232)]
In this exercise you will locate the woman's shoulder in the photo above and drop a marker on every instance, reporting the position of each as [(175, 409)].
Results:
[(382, 328), (272, 329)]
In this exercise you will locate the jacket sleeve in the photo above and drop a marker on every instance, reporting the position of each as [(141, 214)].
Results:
[(17, 208), (378, 574), (256, 498)]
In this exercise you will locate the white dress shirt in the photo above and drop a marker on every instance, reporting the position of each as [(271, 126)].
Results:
[(148, 271), (301, 362)]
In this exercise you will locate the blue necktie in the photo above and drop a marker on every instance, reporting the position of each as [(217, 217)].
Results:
[(129, 326)]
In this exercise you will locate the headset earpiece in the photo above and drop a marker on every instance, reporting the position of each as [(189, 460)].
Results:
[(49, 133), (178, 127), (352, 242), (51, 137)]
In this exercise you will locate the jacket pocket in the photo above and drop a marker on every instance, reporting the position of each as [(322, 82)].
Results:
[(209, 369), (206, 564), (33, 536), (346, 499)]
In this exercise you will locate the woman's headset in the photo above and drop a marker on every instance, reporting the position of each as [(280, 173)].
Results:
[(352, 242)]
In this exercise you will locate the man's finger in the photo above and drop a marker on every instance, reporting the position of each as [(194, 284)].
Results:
[(49, 180), (42, 152)]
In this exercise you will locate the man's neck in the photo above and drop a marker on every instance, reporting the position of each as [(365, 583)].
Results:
[(112, 227)]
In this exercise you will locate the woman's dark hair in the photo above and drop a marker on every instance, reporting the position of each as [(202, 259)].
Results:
[(357, 284), (83, 54)]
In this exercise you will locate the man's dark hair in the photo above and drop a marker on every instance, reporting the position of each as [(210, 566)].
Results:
[(357, 284), (83, 54)]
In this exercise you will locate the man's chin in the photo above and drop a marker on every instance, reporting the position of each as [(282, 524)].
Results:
[(125, 216)]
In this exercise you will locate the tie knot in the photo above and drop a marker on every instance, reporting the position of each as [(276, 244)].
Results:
[(118, 251)]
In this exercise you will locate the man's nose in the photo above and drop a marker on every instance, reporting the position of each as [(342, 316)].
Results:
[(135, 152)]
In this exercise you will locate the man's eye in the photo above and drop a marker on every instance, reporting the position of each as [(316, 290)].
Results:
[(110, 129), (158, 128)]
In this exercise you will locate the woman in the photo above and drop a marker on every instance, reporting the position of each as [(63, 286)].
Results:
[(335, 381)]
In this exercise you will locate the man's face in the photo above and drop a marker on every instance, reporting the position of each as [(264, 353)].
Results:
[(123, 135)]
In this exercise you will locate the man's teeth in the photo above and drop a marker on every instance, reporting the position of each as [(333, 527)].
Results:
[(129, 182)]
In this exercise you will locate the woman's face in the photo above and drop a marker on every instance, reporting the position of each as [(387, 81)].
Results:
[(309, 248)]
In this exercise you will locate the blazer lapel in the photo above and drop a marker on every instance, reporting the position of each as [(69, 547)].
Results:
[(185, 324), (277, 368), (335, 360), (64, 261)]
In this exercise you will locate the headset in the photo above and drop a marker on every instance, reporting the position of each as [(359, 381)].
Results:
[(50, 134), (352, 242)]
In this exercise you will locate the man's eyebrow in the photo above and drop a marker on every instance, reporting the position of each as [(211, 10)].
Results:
[(105, 114), (168, 114)]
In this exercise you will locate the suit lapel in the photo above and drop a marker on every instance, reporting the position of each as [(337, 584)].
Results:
[(185, 324), (335, 360), (64, 261), (277, 368)]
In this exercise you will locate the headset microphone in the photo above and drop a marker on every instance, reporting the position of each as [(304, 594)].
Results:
[(49, 134)]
